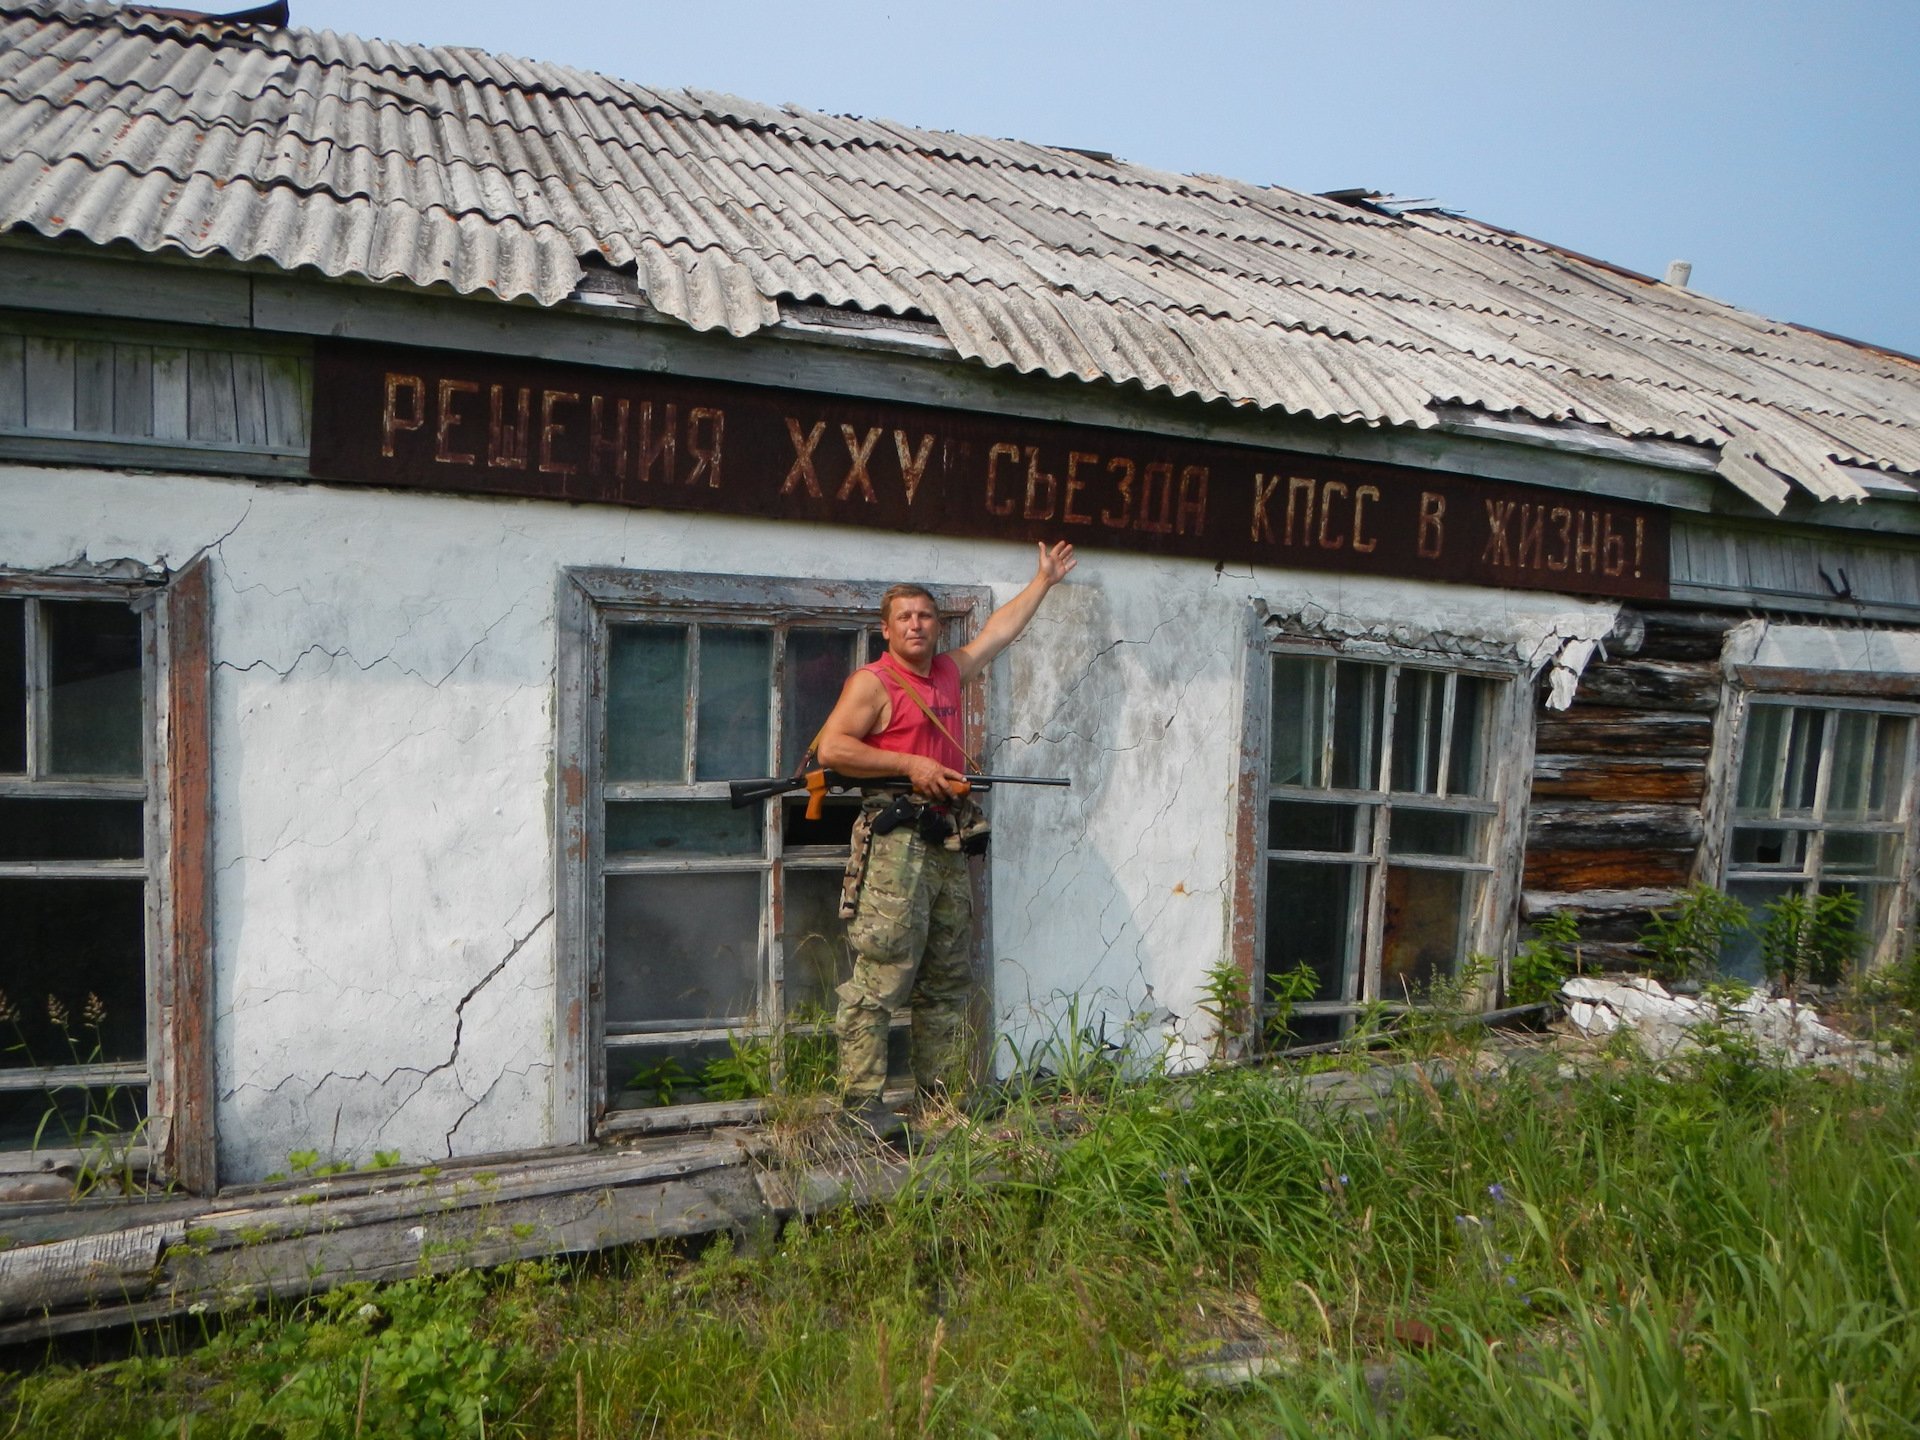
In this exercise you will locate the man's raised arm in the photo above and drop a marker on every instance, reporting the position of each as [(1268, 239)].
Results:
[(1003, 627)]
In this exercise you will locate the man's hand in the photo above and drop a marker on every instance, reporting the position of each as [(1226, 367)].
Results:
[(1055, 562), (931, 778)]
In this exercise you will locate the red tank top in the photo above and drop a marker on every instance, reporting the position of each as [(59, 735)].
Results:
[(908, 731)]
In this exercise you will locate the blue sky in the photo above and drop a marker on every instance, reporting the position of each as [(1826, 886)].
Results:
[(1776, 146)]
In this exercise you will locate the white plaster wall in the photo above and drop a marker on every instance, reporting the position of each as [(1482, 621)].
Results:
[(384, 730)]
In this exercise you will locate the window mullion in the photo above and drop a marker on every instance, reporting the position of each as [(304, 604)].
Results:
[(1777, 800), (1382, 822), (692, 727), (39, 670), (1444, 779), (1822, 788), (1330, 691), (774, 960)]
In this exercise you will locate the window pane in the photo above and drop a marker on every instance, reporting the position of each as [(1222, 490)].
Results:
[(1741, 958), (682, 827), (13, 687), (1760, 760), (1874, 902), (93, 698), (1889, 768), (1313, 919), (1782, 849), (1869, 764), (1433, 832), (682, 947), (1360, 696), (813, 942), (665, 1072), (817, 665), (1419, 707), (1426, 916), (73, 965), (69, 1117), (1299, 720), (1804, 735), (70, 830), (647, 702), (1472, 717), (1297, 825), (1849, 852), (736, 703)]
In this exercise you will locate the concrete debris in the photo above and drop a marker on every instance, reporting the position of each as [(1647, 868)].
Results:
[(1666, 1025)]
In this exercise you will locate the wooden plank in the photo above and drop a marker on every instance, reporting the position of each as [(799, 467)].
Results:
[(43, 1077), (1829, 682), (249, 399), (49, 383), (192, 294), (113, 1267), (189, 800), (93, 387), (211, 405), (133, 390), (13, 380), (287, 387), (169, 393)]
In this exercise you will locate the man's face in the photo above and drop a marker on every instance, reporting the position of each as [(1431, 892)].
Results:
[(912, 629)]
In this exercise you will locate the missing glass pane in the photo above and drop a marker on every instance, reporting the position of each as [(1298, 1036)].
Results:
[(71, 830), (668, 1072), (1426, 914), (681, 947), (1359, 706), (813, 942), (736, 703), (93, 694), (1313, 919), (1304, 825), (1472, 715), (834, 828), (1756, 845), (1419, 710), (1433, 832), (13, 687), (817, 665), (70, 1117), (647, 702), (682, 827), (73, 965)]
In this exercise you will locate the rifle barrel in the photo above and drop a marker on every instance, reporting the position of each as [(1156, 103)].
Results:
[(746, 792)]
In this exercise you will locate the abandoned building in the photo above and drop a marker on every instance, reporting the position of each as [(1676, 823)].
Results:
[(426, 477)]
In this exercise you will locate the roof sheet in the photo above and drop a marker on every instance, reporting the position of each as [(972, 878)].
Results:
[(493, 174)]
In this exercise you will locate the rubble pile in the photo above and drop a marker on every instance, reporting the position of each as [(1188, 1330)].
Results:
[(1666, 1025)]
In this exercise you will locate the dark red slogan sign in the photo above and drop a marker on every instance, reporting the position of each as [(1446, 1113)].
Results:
[(440, 421)]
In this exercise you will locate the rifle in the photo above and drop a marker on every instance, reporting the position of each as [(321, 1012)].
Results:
[(816, 784)]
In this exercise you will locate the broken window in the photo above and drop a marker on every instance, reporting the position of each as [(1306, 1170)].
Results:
[(1378, 826), (714, 932), (74, 873), (1821, 809)]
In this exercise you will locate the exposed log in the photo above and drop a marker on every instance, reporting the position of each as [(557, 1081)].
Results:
[(1609, 730), (1605, 825), (1623, 869), (1695, 635), (1651, 685), (1619, 777)]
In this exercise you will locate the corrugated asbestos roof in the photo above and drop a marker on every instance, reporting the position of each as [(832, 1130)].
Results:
[(489, 173)]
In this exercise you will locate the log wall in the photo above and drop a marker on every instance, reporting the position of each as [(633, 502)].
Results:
[(1619, 781)]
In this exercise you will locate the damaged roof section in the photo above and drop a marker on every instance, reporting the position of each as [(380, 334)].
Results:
[(494, 175)]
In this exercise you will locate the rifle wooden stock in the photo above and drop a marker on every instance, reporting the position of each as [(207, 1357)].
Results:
[(816, 784)]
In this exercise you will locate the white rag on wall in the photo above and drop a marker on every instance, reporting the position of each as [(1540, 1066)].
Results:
[(1564, 678)]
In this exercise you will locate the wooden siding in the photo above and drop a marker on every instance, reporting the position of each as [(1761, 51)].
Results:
[(1620, 782), (1784, 569)]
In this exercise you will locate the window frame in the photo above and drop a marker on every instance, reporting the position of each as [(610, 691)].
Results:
[(592, 600), (1492, 920), (1752, 689), (174, 788)]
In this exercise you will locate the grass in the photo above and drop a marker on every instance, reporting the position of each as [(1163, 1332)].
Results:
[(1712, 1249)]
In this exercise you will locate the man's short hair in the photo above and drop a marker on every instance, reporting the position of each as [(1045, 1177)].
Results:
[(902, 592)]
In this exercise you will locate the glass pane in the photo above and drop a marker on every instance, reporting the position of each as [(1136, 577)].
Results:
[(93, 697), (1889, 769), (1760, 760), (69, 1117), (1869, 922), (647, 702), (13, 687), (1419, 707), (682, 947), (813, 940), (1741, 958), (71, 830), (1313, 919), (1360, 698), (817, 664), (1433, 832), (1869, 763), (1297, 825), (1472, 717), (73, 969), (834, 827), (1782, 849), (682, 827), (736, 703), (1849, 852), (1426, 916), (1299, 720), (666, 1072)]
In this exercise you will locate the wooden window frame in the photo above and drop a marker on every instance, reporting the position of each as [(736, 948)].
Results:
[(1493, 924), (590, 600), (175, 789)]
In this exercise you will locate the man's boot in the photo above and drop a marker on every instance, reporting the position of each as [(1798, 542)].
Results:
[(877, 1118)]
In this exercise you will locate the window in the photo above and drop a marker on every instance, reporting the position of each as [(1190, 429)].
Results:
[(1379, 816), (74, 871), (1821, 808), (708, 932)]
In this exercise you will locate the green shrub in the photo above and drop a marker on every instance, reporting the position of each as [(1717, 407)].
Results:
[(1542, 965), (1688, 939), (1817, 940)]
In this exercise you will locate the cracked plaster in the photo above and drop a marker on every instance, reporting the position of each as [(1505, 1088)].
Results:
[(384, 717)]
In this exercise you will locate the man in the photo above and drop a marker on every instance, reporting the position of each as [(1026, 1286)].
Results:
[(912, 923)]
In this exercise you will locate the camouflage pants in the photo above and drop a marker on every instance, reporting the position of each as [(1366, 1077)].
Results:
[(912, 937)]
